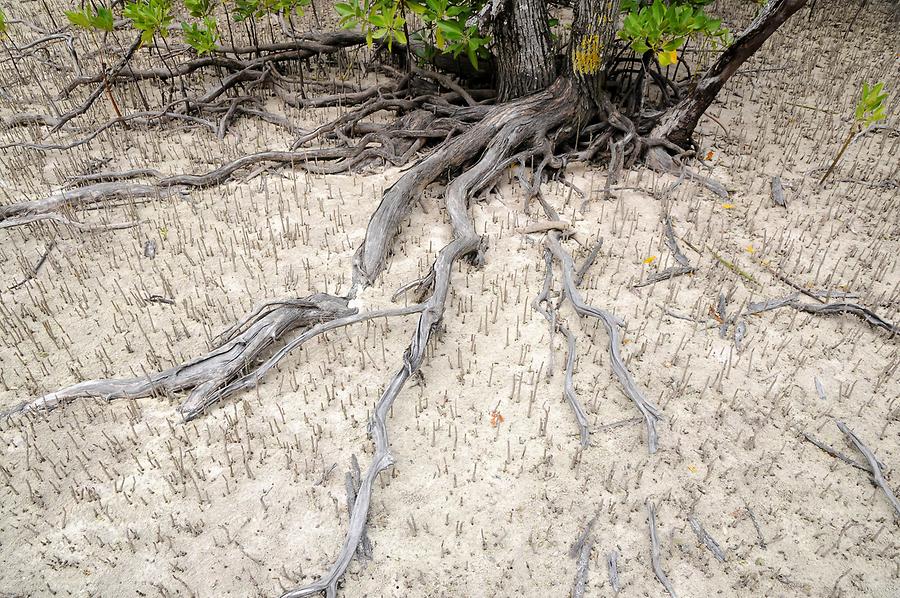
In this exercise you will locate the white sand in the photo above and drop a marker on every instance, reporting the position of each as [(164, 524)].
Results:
[(121, 499)]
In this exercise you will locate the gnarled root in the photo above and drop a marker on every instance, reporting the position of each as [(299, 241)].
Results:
[(206, 375), (503, 130)]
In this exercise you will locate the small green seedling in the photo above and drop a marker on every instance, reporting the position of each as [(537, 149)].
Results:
[(99, 19), (3, 25), (869, 110), (150, 17), (203, 37), (96, 20)]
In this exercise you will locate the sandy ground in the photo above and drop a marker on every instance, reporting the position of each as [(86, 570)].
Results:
[(122, 499)]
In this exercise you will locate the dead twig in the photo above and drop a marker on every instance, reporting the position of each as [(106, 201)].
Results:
[(37, 267)]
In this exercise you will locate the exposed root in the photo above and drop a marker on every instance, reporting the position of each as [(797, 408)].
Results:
[(661, 161), (655, 555), (582, 550), (864, 313), (308, 47), (612, 564), (706, 539), (569, 385), (207, 374), (650, 413), (195, 404), (59, 218), (684, 264), (588, 262), (18, 213), (505, 128), (874, 467)]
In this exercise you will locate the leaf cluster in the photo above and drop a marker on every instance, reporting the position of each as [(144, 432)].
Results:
[(256, 9), (150, 17), (664, 28), (202, 37), (446, 25), (99, 19), (870, 108)]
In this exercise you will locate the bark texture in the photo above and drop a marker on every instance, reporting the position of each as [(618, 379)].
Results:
[(525, 62), (593, 29)]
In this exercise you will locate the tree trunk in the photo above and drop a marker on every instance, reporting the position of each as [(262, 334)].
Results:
[(679, 124), (593, 28), (524, 53)]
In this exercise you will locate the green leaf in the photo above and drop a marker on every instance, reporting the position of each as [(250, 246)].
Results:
[(673, 45), (103, 20), (472, 51), (451, 29), (639, 46), (79, 18)]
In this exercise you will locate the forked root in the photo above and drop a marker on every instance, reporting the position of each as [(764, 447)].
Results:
[(208, 375)]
